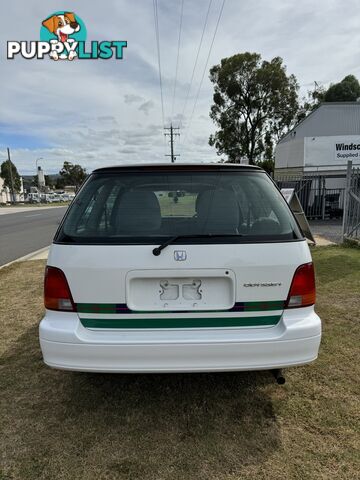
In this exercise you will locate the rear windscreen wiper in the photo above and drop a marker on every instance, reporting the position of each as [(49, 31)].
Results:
[(161, 247)]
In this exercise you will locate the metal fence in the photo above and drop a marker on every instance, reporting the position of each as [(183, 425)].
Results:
[(351, 220), (318, 202)]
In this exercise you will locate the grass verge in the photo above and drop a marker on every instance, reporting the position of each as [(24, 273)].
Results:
[(61, 425), (32, 205)]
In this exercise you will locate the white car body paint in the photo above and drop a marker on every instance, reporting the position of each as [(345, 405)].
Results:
[(101, 274), (106, 282)]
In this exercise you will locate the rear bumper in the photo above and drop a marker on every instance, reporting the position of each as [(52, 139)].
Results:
[(67, 345), (180, 358)]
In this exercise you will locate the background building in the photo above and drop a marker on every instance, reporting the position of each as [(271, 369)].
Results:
[(5, 194), (312, 158), (41, 178), (322, 144)]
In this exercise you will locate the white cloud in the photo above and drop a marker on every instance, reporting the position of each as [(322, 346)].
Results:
[(132, 98), (146, 107), (108, 112)]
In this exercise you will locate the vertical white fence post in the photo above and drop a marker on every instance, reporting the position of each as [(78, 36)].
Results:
[(346, 197)]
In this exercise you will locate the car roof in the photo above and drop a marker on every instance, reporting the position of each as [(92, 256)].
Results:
[(177, 166)]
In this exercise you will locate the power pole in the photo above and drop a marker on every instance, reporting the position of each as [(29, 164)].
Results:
[(172, 135), (11, 177)]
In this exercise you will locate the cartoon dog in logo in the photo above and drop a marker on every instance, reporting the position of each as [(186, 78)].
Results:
[(62, 26)]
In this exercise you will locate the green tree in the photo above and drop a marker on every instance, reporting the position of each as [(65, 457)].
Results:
[(255, 103), (267, 165), (59, 184), (310, 102), (8, 170), (72, 175), (348, 90), (49, 181)]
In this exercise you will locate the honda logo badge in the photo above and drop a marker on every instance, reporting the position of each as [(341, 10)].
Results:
[(180, 255)]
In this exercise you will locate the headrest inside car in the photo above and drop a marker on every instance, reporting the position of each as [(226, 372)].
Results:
[(218, 211), (265, 226), (138, 213)]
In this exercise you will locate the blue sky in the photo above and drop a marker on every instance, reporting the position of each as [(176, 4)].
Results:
[(107, 112), (17, 139)]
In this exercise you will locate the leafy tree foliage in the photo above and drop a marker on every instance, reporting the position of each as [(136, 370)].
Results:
[(255, 103), (60, 183), (348, 90), (8, 170), (72, 175), (268, 165), (310, 102)]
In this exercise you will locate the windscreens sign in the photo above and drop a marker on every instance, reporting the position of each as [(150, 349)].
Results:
[(334, 150), (347, 151)]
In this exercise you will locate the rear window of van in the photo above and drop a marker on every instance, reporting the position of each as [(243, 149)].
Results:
[(127, 207)]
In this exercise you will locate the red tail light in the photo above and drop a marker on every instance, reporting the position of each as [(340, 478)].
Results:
[(57, 295), (302, 291)]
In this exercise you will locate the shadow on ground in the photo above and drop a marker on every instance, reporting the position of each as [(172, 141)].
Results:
[(76, 425)]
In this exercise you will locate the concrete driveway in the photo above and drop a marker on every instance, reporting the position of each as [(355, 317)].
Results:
[(329, 229)]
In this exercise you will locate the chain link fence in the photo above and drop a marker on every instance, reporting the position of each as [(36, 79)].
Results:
[(351, 220), (318, 202)]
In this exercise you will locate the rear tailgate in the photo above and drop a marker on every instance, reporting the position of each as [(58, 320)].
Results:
[(215, 286)]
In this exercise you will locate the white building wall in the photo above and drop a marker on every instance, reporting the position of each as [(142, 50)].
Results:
[(326, 151), (330, 119), (290, 154), (41, 177), (5, 195)]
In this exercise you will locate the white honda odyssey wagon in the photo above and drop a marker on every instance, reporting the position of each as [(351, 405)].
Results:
[(176, 268)]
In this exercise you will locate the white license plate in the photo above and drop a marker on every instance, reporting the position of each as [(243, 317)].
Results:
[(192, 290)]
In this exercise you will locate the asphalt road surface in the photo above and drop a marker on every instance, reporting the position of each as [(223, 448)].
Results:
[(25, 232)]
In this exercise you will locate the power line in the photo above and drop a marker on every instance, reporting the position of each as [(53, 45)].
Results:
[(177, 58), (205, 67), (156, 22), (196, 61)]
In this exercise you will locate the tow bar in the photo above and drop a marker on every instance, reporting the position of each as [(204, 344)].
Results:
[(280, 379)]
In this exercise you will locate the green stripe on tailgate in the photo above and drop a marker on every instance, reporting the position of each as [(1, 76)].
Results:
[(121, 308), (180, 322), (262, 306)]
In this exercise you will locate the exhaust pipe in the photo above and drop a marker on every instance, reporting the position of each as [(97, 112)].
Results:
[(280, 379)]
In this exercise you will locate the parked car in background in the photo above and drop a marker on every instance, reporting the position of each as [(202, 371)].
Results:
[(33, 198)]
